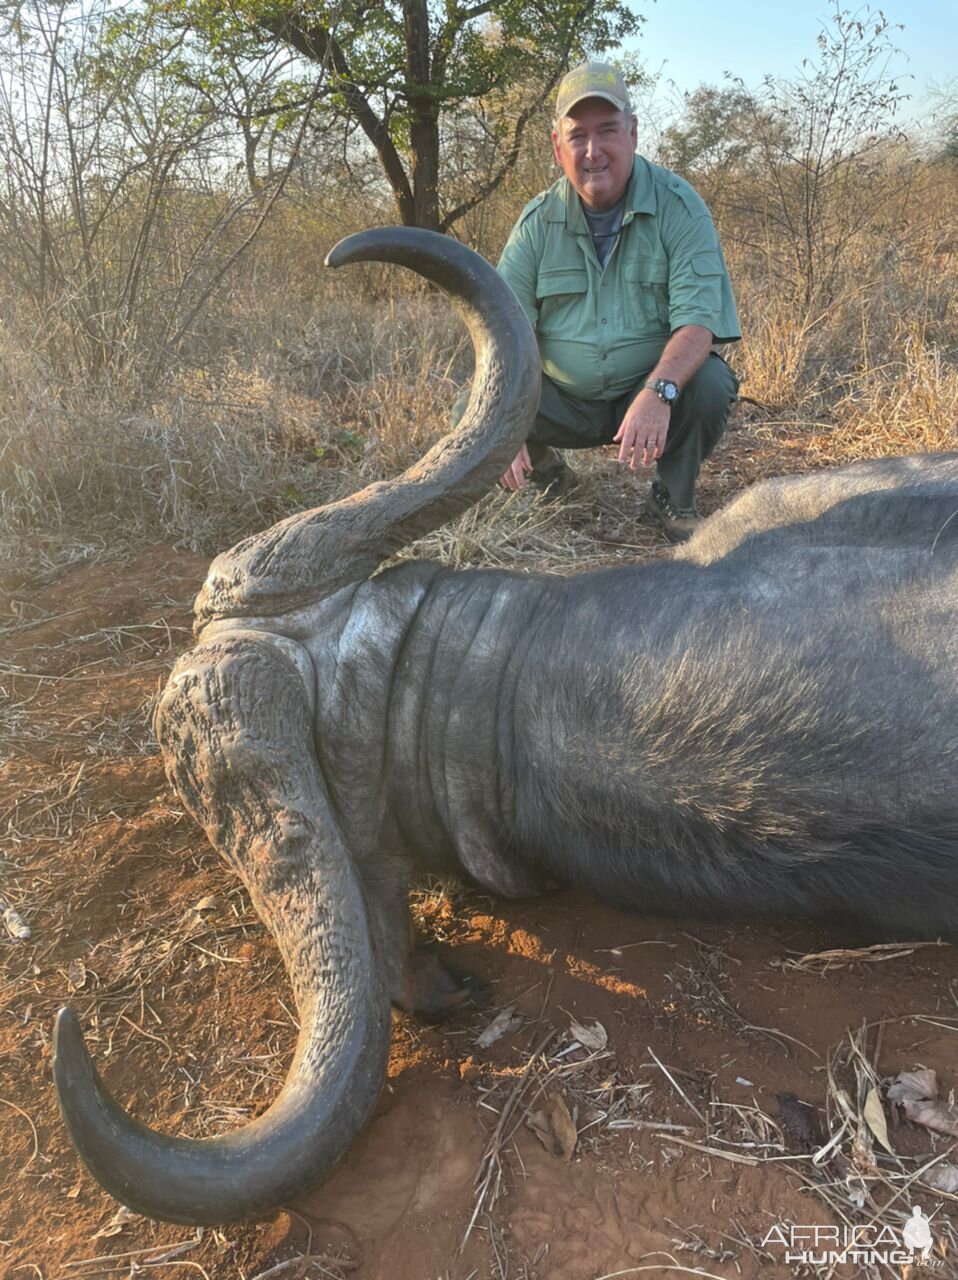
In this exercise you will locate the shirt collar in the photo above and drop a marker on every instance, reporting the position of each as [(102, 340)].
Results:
[(641, 193), (640, 198)]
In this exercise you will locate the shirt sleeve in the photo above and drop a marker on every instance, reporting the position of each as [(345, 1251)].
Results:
[(700, 291), (518, 266)]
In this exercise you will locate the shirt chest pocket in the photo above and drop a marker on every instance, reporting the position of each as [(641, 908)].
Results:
[(560, 298), (646, 294)]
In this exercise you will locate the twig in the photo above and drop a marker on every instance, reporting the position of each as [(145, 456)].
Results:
[(676, 1086), (627, 946), (149, 1036), (731, 1156), (162, 1252), (822, 961), (650, 1124), (490, 1156), (321, 1260), (36, 1141), (660, 1269)]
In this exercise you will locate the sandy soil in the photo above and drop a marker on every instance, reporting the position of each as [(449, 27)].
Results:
[(685, 1155)]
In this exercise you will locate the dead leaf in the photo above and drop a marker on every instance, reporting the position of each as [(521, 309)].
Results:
[(913, 1086), (940, 1117), (195, 916), (943, 1177), (76, 974), (502, 1023), (128, 953), (119, 1222), (554, 1127), (16, 926), (594, 1037), (875, 1119), (916, 1092)]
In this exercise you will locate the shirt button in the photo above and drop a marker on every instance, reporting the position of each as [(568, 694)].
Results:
[(604, 320), (605, 355)]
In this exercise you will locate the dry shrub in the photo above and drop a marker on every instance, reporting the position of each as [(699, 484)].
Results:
[(285, 416), (874, 363), (773, 360), (904, 405), (298, 385)]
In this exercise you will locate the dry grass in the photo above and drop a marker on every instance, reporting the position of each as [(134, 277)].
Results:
[(907, 404), (300, 385)]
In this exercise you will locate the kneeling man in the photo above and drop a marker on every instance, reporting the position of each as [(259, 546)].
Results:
[(619, 269)]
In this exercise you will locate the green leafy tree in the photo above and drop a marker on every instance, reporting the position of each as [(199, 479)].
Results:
[(714, 131), (394, 70)]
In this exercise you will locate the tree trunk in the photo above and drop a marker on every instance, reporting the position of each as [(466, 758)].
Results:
[(424, 117)]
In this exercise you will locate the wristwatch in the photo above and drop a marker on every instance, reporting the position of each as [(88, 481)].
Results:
[(667, 391)]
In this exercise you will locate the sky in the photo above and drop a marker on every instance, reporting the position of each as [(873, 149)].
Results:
[(696, 41)]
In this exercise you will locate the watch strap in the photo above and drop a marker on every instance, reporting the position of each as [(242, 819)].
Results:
[(665, 389)]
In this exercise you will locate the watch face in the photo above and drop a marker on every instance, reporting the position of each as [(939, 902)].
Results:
[(669, 390)]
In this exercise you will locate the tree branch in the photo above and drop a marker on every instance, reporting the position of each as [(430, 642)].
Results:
[(509, 163), (318, 44)]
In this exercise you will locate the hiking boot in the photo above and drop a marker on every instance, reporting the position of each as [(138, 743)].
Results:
[(677, 523), (550, 473)]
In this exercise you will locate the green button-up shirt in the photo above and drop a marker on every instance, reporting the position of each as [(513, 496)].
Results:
[(599, 331)]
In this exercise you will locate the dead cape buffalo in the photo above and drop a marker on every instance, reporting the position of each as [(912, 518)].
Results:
[(765, 724)]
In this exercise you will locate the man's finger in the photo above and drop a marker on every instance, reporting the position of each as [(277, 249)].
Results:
[(626, 443), (515, 477), (652, 450)]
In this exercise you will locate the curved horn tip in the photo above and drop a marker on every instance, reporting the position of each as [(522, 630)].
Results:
[(366, 246), (69, 1050), (351, 247), (66, 1025)]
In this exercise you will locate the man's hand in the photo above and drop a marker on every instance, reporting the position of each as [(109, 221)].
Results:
[(643, 430), (515, 477)]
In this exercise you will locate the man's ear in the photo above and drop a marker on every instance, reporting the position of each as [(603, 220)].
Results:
[(635, 132), (555, 148)]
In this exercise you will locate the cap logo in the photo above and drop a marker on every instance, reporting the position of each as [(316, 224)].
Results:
[(599, 79), (589, 79)]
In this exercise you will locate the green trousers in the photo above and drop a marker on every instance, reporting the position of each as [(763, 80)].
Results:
[(698, 421)]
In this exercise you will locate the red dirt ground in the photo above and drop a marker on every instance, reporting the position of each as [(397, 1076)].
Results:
[(136, 925)]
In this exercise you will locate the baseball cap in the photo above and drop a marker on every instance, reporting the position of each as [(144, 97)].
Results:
[(591, 80)]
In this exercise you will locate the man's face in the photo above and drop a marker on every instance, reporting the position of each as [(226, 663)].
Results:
[(594, 146)]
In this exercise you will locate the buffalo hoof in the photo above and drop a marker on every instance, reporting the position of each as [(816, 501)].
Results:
[(437, 990)]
